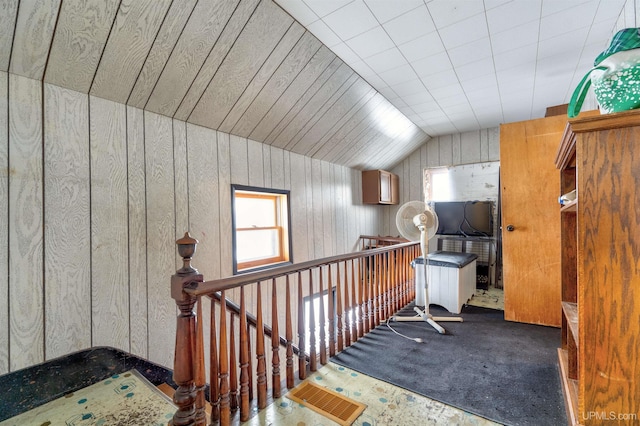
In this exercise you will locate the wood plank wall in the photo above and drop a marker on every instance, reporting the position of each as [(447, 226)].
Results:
[(92, 197)]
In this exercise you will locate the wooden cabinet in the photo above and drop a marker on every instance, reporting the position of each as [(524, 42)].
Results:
[(599, 359), (379, 187)]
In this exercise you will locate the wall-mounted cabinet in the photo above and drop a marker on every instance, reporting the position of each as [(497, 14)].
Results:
[(379, 187)]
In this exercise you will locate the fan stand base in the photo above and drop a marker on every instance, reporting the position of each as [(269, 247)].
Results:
[(431, 320)]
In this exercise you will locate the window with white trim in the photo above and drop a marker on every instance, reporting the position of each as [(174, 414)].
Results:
[(261, 236)]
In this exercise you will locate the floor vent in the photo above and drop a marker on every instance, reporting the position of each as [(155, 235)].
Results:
[(327, 402)]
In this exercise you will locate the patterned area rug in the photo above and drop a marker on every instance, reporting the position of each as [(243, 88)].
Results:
[(123, 399)]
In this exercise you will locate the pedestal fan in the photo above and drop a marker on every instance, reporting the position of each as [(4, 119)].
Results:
[(416, 221)]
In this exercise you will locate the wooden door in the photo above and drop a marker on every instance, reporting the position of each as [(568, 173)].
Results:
[(531, 220)]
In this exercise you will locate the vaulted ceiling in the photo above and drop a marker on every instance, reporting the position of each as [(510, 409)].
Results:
[(357, 83)]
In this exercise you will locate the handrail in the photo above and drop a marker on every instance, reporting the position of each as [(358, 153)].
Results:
[(212, 286), (354, 293)]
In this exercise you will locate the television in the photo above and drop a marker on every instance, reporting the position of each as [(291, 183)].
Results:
[(465, 218)]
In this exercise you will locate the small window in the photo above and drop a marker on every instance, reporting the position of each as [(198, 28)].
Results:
[(261, 236)]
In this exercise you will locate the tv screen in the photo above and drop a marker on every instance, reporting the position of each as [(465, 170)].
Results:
[(466, 218)]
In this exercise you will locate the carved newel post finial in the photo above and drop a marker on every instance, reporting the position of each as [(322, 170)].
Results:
[(186, 250)]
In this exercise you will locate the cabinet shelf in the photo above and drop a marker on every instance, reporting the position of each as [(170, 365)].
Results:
[(571, 206), (571, 314)]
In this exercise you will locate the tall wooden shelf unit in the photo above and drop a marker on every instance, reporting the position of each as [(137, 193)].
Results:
[(599, 360)]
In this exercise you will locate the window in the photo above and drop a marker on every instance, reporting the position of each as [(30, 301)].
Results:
[(261, 236)]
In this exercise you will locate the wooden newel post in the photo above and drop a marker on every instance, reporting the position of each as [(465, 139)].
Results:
[(183, 364)]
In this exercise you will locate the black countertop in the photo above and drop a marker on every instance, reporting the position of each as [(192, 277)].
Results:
[(31, 387)]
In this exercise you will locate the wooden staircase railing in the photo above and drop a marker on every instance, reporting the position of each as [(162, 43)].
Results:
[(335, 301)]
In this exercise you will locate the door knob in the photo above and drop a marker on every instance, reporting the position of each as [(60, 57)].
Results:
[(510, 228)]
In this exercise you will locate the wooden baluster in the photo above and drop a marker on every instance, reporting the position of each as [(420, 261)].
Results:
[(384, 290), (313, 362), (347, 308), (261, 367), (354, 303), (322, 325), (233, 374), (375, 291), (360, 296), (339, 310), (225, 408), (393, 285), (250, 362), (365, 304), (214, 394), (244, 360), (403, 277), (331, 313), (183, 369), (275, 343), (199, 368), (289, 338), (302, 364)]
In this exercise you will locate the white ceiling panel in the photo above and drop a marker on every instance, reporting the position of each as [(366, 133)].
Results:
[(385, 10), (422, 47), (410, 26), (464, 32), (370, 42), (470, 52), (515, 38), (446, 13), (399, 75), (513, 15), (349, 21)]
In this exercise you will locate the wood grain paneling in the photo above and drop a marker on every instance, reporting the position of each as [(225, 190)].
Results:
[(109, 224), (326, 145), (277, 167), (4, 222), (350, 131), (181, 185), (8, 12), (321, 66), (330, 81), (26, 292), (204, 192), (319, 105), (299, 208), (224, 204), (34, 29), (198, 37), (317, 240), (279, 81), (160, 234), (266, 165), (80, 38), (138, 295), (342, 109), (238, 160), (67, 225), (219, 52), (255, 163), (271, 70), (328, 206), (256, 42), (128, 47), (172, 26)]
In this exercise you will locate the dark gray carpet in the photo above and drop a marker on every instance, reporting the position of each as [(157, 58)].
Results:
[(504, 371)]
